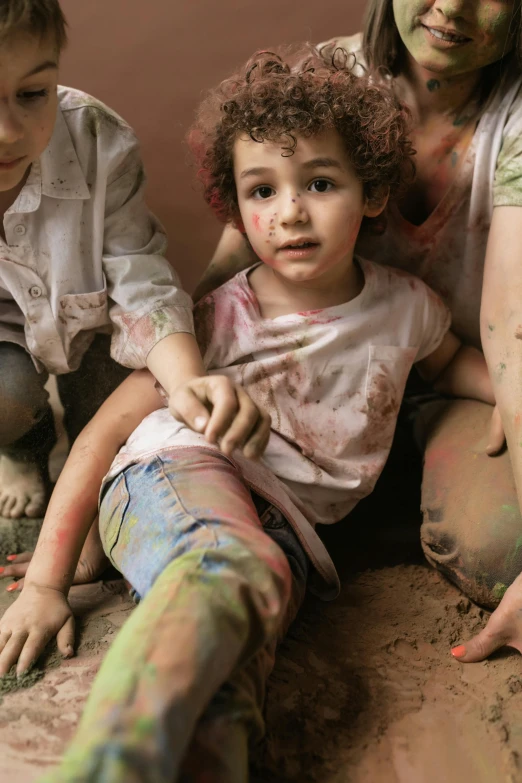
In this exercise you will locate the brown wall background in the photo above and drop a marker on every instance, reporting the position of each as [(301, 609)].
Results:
[(150, 60)]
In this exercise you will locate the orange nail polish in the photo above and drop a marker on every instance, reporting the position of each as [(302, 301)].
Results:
[(2, 570), (11, 557), (459, 651), (12, 587)]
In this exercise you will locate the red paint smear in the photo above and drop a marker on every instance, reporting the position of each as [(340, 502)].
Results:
[(255, 221)]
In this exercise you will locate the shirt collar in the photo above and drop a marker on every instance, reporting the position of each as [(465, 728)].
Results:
[(62, 175), (57, 172)]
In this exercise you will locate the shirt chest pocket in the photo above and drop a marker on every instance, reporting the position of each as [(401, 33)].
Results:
[(83, 312), (388, 370)]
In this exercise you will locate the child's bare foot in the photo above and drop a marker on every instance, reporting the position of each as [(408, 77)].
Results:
[(23, 491)]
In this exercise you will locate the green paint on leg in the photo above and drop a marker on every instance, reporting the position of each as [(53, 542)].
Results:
[(498, 590)]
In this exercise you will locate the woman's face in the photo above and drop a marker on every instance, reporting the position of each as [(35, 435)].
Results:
[(453, 37)]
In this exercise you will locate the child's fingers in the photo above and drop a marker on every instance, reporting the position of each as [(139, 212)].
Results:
[(244, 423), (258, 441), (185, 406), (11, 651), (497, 438), (222, 396), (65, 638)]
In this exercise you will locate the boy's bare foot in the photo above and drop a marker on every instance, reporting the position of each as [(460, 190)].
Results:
[(23, 491)]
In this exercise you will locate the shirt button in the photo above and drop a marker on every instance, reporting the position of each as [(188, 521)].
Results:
[(20, 230), (35, 291)]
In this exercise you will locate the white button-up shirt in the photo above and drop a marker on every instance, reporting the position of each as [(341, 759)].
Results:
[(83, 254)]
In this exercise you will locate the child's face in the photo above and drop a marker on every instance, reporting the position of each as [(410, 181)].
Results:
[(28, 104), (301, 212), (452, 37)]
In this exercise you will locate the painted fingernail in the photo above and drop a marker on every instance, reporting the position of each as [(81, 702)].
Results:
[(2, 570), (12, 587), (200, 422), (11, 557), (459, 651)]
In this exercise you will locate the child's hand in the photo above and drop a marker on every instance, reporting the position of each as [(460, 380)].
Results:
[(497, 439), (222, 410), (38, 614)]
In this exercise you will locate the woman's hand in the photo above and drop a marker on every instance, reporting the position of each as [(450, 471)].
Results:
[(235, 420), (38, 614), (503, 629)]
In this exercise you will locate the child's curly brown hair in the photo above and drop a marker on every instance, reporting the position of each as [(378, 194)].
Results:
[(279, 97)]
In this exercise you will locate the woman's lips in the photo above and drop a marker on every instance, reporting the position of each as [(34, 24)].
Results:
[(444, 39)]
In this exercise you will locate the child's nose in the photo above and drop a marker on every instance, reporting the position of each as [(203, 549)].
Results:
[(292, 209), (11, 129)]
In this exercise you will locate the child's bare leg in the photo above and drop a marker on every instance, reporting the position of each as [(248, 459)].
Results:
[(26, 435), (221, 596)]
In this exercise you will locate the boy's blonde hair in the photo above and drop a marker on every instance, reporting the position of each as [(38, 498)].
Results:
[(38, 17)]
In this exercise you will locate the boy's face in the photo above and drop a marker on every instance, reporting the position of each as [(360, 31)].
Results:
[(301, 212), (28, 104)]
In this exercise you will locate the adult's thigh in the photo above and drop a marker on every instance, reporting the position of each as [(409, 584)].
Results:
[(472, 526)]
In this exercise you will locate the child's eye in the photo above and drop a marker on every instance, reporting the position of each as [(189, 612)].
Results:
[(32, 95), (263, 191), (320, 186)]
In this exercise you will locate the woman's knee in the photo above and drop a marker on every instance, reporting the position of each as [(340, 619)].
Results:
[(472, 528)]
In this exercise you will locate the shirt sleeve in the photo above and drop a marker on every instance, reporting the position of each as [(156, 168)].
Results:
[(507, 187), (435, 320), (147, 301)]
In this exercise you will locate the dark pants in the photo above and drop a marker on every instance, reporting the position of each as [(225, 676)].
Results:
[(27, 431)]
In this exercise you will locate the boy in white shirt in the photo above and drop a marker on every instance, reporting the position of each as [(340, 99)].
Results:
[(219, 547), (84, 285)]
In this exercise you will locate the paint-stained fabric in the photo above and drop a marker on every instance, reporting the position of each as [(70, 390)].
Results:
[(83, 253), (332, 381), (221, 576), (448, 250)]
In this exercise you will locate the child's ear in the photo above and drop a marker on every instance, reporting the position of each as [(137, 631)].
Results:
[(238, 223), (376, 203)]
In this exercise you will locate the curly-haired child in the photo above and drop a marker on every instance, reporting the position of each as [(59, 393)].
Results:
[(219, 549)]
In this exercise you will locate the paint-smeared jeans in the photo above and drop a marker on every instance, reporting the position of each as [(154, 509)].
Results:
[(220, 575), (27, 430)]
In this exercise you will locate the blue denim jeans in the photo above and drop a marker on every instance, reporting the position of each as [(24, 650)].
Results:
[(220, 575)]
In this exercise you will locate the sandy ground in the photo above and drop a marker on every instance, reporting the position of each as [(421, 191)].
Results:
[(364, 689)]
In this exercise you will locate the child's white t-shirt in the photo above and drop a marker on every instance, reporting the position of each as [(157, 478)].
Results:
[(332, 381)]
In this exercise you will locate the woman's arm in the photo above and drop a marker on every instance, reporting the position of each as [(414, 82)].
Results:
[(231, 256)]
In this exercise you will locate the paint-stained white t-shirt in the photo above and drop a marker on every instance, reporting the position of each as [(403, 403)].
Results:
[(83, 254), (332, 381), (448, 250)]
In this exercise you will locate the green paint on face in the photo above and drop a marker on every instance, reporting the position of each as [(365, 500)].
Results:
[(491, 327), (488, 29), (498, 590)]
